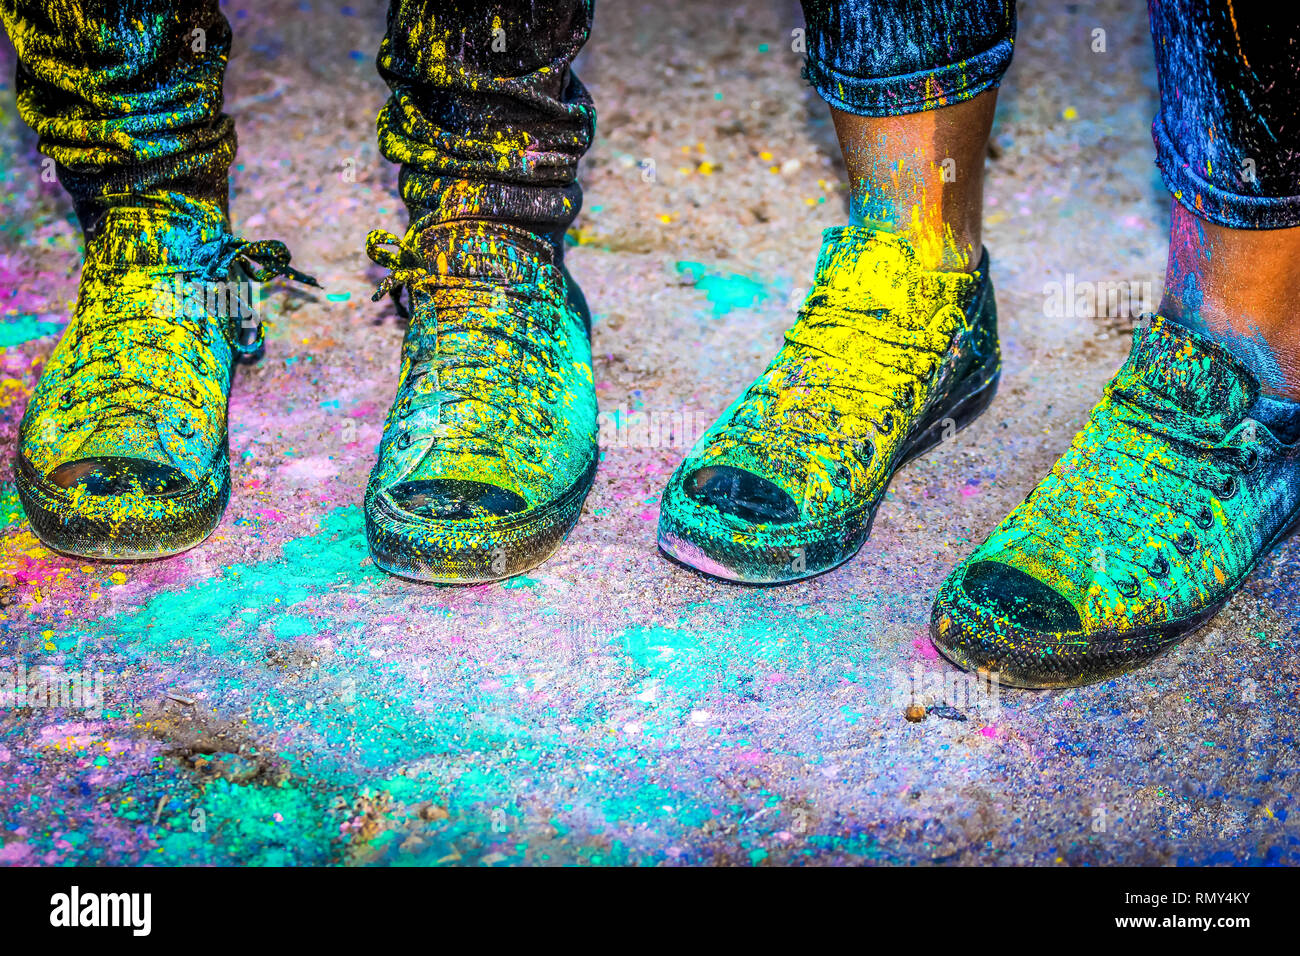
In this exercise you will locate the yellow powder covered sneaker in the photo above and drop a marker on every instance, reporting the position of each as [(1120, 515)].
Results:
[(123, 449), (885, 360)]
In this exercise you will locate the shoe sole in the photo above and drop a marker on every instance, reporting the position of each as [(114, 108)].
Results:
[(970, 398), (1106, 655), (122, 528), (471, 551)]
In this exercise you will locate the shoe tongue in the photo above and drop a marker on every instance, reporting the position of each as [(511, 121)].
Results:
[(485, 250), (151, 236), (882, 269), (1189, 371)]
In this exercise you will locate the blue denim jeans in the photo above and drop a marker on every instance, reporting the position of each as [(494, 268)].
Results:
[(1228, 132), (892, 57), (485, 133)]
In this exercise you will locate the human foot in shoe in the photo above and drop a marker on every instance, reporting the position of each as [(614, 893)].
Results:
[(1180, 482), (885, 359), (123, 449), (490, 445)]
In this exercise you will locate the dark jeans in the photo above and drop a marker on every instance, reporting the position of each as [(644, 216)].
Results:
[(487, 118), (1228, 131), (891, 57), (123, 102)]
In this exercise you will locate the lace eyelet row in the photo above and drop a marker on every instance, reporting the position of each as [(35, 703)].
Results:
[(1186, 545)]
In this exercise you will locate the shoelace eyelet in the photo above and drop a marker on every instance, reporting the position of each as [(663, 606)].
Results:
[(1185, 543), (887, 423), (1252, 460), (1129, 588), (404, 440), (65, 401), (185, 428), (1160, 567), (1204, 518), (1228, 490)]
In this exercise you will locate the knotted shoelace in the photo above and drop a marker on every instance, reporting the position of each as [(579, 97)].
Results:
[(119, 327)]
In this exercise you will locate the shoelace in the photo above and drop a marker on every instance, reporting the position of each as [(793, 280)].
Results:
[(128, 305), (1190, 435), (833, 308), (466, 304), (1203, 463)]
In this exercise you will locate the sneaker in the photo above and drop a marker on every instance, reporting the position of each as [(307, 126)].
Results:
[(1165, 502), (885, 361), (123, 451), (489, 449)]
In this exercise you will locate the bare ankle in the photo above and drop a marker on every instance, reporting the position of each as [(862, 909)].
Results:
[(921, 176), (1241, 288)]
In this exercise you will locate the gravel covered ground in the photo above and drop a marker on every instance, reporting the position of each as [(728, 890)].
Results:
[(273, 697)]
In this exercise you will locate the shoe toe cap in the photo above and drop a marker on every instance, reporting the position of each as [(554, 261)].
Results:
[(449, 499), (109, 476), (743, 494), (1020, 599)]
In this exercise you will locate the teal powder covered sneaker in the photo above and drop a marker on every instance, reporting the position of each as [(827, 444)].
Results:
[(1178, 485), (885, 360), (489, 449)]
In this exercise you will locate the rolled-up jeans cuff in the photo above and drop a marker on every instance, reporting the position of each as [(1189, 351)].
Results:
[(543, 208), (1204, 199), (910, 92)]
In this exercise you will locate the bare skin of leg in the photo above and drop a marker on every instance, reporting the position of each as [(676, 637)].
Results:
[(921, 176), (1241, 287)]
